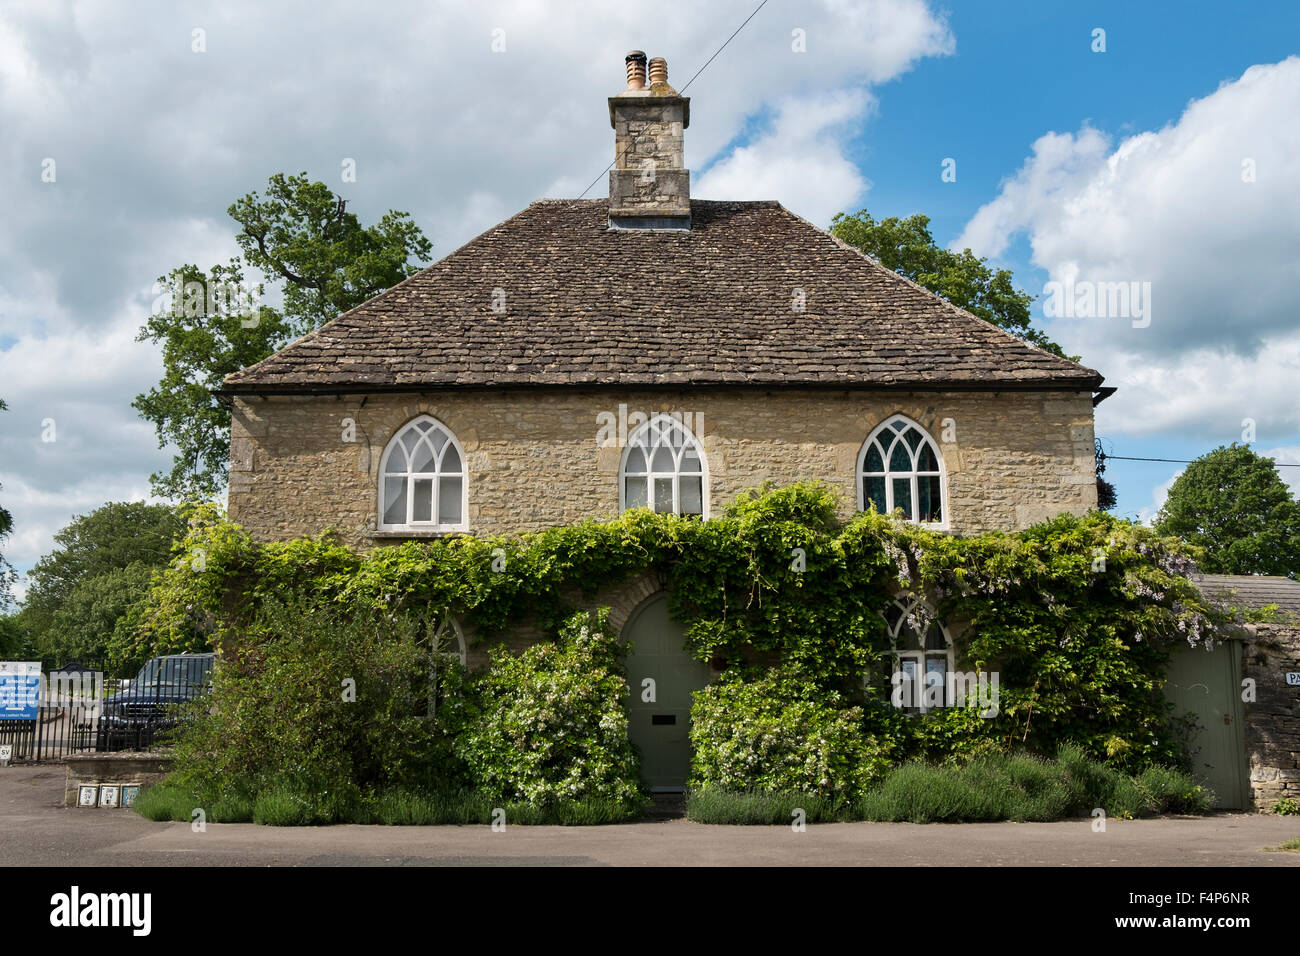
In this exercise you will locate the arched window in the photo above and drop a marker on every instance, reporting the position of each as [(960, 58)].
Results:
[(446, 653), (922, 655), (422, 483), (663, 469), (900, 467)]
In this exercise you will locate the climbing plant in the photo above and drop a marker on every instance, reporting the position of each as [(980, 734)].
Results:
[(1076, 617)]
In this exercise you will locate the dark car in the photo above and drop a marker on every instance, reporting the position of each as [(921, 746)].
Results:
[(133, 718)]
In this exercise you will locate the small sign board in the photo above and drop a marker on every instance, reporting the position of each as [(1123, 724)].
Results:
[(1293, 678), (129, 793), (6, 754), (108, 794), (87, 795), (20, 689)]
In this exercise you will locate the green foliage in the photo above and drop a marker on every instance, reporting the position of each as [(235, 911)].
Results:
[(552, 722), (756, 808), (324, 705), (1024, 787), (1077, 616), (1004, 786), (907, 247), (303, 234), (205, 333), (326, 262), (84, 593), (1287, 807), (1233, 504), (781, 732)]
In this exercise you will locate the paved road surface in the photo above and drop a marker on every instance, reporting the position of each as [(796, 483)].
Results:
[(36, 830)]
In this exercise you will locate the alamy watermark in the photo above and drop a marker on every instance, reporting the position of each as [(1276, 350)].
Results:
[(953, 689), (1098, 300)]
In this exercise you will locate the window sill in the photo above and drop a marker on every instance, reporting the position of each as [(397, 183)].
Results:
[(418, 533)]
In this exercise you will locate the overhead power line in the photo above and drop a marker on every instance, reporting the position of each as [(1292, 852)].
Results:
[(1181, 461), (689, 82)]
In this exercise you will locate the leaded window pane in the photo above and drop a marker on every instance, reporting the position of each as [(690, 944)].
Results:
[(422, 458), (422, 499), (449, 492), (903, 496), (664, 495), (635, 492), (874, 491), (692, 487), (395, 495), (900, 459), (875, 460)]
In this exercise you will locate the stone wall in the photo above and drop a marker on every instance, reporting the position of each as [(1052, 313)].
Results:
[(534, 459), (121, 769), (1273, 720), (649, 177)]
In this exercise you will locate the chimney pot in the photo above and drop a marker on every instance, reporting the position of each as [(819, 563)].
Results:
[(658, 70), (635, 62)]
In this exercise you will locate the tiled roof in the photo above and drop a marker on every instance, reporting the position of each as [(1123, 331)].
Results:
[(1251, 590), (587, 305)]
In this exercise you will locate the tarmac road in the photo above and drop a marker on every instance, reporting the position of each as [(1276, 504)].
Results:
[(37, 830)]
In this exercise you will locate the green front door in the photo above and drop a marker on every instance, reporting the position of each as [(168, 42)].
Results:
[(660, 677), (1208, 685)]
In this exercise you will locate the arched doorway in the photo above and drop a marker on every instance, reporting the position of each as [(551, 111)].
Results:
[(661, 676)]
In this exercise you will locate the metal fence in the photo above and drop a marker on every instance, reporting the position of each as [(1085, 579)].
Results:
[(81, 709)]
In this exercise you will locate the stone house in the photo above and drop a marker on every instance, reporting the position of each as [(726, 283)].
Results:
[(652, 349)]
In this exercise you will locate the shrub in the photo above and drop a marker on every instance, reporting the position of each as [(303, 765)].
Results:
[(757, 808), (780, 733), (1286, 807), (316, 702), (1171, 791), (1024, 787), (552, 722)]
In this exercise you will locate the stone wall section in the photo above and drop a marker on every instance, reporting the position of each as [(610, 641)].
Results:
[(535, 458), (1273, 720)]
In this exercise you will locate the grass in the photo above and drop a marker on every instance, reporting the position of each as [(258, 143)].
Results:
[(1008, 787), (1288, 845), (284, 807)]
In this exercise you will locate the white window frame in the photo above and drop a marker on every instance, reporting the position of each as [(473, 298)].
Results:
[(394, 444), (659, 425), (908, 604), (886, 448)]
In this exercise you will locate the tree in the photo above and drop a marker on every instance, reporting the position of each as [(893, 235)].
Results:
[(301, 236), (328, 262), (1106, 497), (205, 335), (1234, 504), (906, 247), (103, 565), (7, 573)]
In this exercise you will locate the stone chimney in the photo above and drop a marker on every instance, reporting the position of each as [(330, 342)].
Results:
[(648, 186)]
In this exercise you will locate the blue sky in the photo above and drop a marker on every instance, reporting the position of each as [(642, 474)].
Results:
[(1122, 165), (1021, 69)]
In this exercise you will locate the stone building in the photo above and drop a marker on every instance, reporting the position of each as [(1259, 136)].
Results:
[(584, 357), (1249, 727), (652, 349)]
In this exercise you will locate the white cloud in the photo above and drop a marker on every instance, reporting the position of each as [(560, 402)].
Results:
[(1158, 496), (1171, 207), (1289, 455), (799, 160)]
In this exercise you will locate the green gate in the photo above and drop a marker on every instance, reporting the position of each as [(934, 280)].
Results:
[(661, 676), (1208, 685)]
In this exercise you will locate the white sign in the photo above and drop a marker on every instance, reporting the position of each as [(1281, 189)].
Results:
[(1293, 678), (6, 754)]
